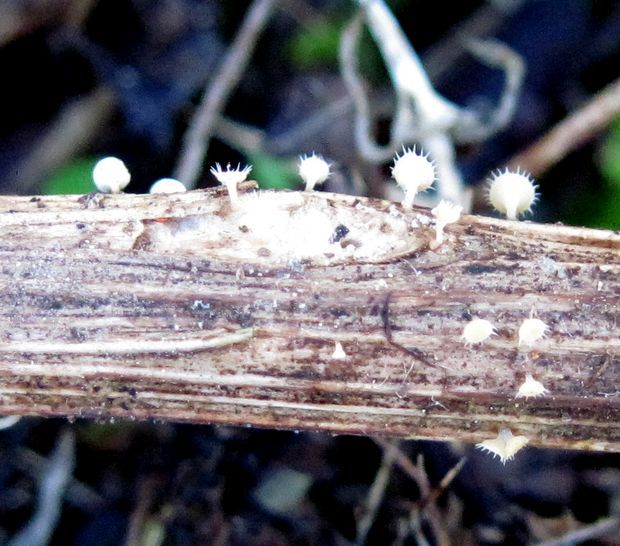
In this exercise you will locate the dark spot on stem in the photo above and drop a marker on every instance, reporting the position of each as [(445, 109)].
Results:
[(340, 232)]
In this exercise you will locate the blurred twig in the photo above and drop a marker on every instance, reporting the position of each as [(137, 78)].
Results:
[(573, 131), (74, 128), (19, 18), (9, 421), (422, 115), (440, 58), (78, 493), (426, 506), (376, 492), (608, 527), (224, 81), (52, 489), (147, 489)]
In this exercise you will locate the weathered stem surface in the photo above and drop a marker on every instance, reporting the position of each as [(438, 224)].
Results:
[(181, 308)]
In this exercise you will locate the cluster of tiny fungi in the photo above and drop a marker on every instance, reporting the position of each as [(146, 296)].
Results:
[(512, 193)]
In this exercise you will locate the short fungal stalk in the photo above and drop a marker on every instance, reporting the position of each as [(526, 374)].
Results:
[(230, 178), (414, 173), (445, 213)]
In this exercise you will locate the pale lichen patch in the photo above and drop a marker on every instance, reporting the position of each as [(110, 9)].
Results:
[(292, 227)]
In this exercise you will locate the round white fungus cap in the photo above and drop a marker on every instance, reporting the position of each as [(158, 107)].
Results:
[(413, 172), (512, 193), (110, 175), (313, 170), (531, 330), (477, 330), (167, 185), (230, 176)]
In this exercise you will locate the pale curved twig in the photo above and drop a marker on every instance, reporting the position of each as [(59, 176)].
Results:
[(234, 63)]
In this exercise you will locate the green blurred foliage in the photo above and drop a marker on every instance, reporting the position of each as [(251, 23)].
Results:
[(598, 205), (609, 164), (610, 156), (273, 173), (316, 46), (73, 178)]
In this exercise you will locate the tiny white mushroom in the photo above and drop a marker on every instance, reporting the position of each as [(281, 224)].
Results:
[(531, 387), (313, 170), (230, 178), (477, 330), (167, 185), (445, 213), (531, 330), (505, 446), (339, 353), (512, 193), (110, 175), (413, 172)]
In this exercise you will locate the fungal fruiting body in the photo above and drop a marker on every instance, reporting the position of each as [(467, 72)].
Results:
[(531, 330), (313, 170), (413, 172), (505, 446), (531, 388), (477, 330), (167, 185), (512, 193), (339, 353), (230, 178), (445, 213), (110, 175)]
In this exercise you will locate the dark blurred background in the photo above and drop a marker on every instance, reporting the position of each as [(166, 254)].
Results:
[(84, 79)]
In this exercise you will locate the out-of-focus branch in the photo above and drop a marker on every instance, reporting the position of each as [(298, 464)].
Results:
[(375, 495), (608, 527), (222, 84), (572, 132), (421, 113), (52, 487), (78, 123)]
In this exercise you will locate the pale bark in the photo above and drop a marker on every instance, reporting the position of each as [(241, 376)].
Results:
[(179, 308)]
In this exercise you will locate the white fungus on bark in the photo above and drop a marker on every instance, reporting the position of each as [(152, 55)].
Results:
[(338, 353), (445, 213), (231, 178), (532, 330), (504, 446), (531, 388), (477, 330), (167, 185), (313, 170), (414, 172), (110, 175), (512, 193)]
